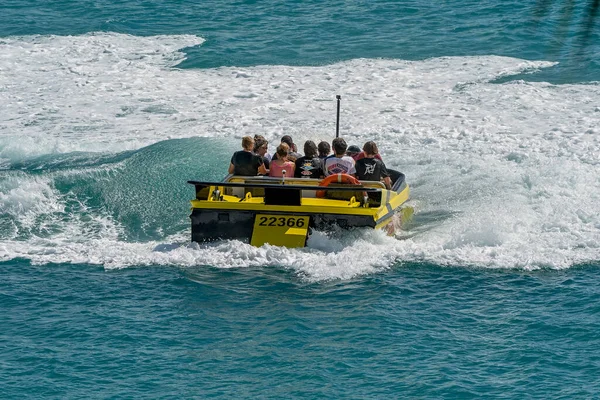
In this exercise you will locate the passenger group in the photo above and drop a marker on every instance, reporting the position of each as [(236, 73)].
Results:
[(316, 162)]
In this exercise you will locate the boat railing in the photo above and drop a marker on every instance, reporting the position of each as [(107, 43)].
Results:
[(239, 186), (292, 181)]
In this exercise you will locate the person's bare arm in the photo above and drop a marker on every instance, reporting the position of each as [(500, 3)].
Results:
[(388, 182), (262, 169), (231, 168)]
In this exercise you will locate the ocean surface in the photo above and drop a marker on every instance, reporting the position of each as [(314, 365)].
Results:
[(491, 109)]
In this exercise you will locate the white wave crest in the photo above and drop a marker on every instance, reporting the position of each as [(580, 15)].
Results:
[(505, 175)]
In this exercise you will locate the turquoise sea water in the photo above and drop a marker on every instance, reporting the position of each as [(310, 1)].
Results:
[(416, 331), (490, 109)]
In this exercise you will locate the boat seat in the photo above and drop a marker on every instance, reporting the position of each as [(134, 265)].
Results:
[(260, 192), (344, 194), (309, 193), (235, 191), (255, 192), (202, 192), (374, 197), (242, 192)]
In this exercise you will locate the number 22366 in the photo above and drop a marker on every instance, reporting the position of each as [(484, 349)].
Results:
[(275, 221)]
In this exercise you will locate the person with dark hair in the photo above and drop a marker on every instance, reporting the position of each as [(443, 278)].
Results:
[(245, 162), (292, 154), (287, 139), (324, 150), (339, 162), (256, 139), (281, 164), (353, 151), (362, 155), (369, 168), (260, 148), (309, 166)]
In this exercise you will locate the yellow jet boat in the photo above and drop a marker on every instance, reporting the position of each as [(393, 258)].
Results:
[(284, 211)]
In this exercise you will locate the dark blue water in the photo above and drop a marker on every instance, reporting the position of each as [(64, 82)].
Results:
[(416, 331), (102, 296)]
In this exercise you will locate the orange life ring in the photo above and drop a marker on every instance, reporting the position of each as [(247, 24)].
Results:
[(336, 178)]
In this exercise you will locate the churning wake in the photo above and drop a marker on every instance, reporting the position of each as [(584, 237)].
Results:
[(99, 133)]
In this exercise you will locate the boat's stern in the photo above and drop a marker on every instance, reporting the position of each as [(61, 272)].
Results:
[(260, 210), (289, 230)]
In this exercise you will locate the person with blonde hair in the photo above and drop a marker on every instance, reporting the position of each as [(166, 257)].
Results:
[(281, 163), (245, 162)]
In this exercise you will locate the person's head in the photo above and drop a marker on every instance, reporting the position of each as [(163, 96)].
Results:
[(287, 139), (310, 149), (370, 148), (282, 151), (339, 146), (324, 149), (248, 143), (352, 150), (260, 145)]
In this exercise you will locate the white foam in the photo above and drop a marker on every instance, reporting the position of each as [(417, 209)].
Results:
[(310, 263), (24, 198), (509, 171), (108, 92)]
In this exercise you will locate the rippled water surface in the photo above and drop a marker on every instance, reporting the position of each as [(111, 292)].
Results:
[(414, 330), (491, 110)]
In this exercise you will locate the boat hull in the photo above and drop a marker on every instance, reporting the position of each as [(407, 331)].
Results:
[(262, 211), (211, 225)]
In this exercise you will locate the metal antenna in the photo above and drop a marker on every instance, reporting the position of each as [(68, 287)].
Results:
[(337, 122)]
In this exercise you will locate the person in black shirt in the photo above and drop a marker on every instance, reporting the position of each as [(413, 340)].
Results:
[(309, 166), (370, 168), (245, 162)]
